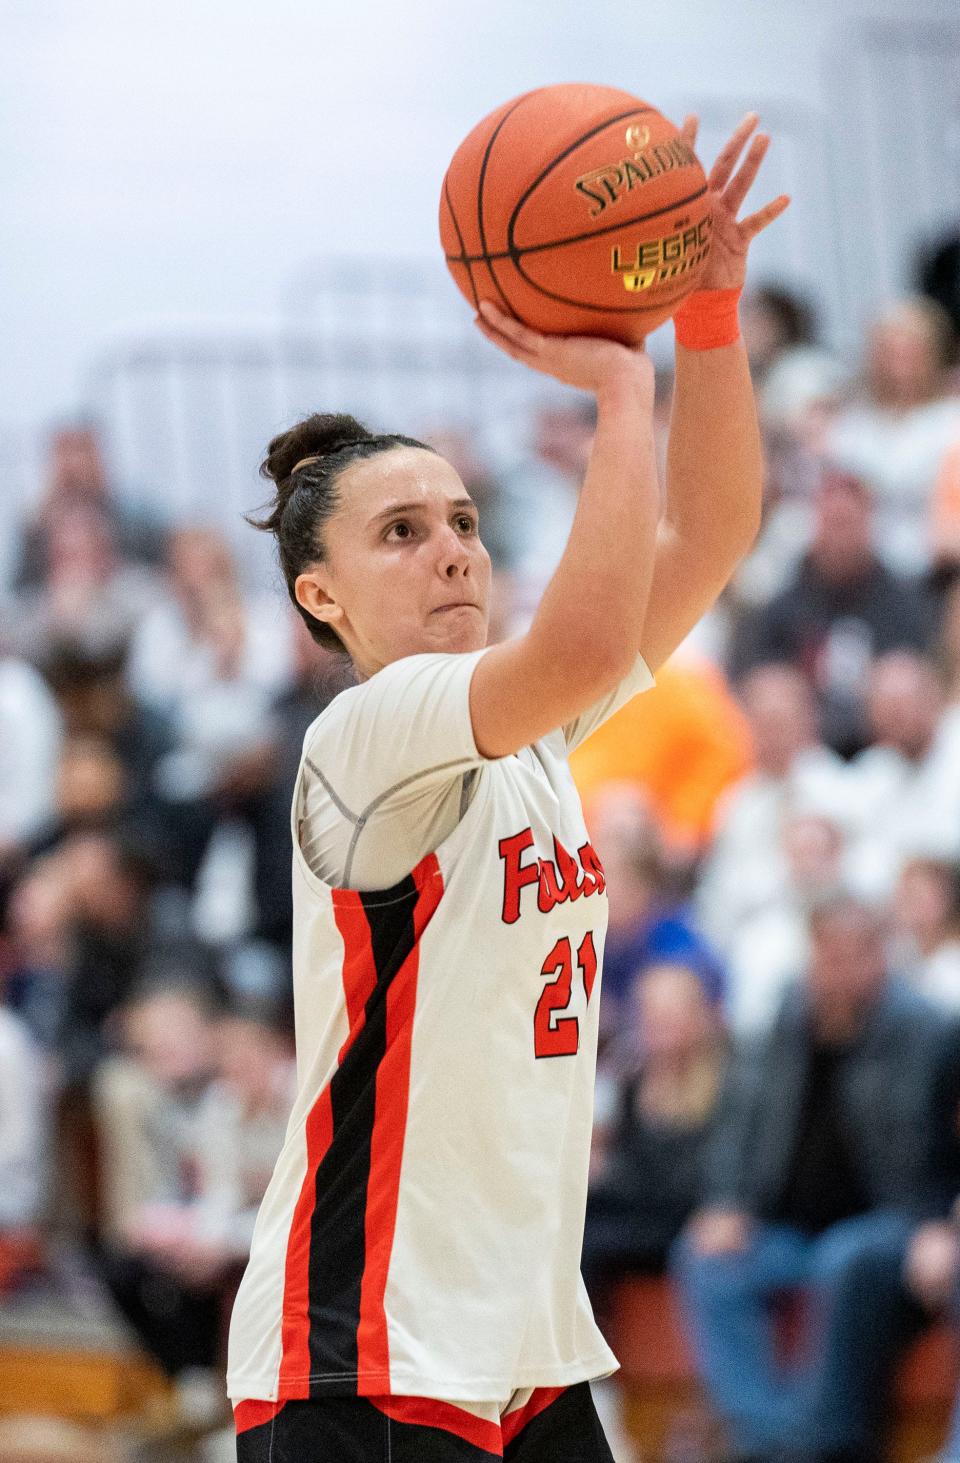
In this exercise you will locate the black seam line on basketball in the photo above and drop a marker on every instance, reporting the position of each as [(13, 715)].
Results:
[(578, 142), (660, 304), (480, 181), (516, 253), (463, 247)]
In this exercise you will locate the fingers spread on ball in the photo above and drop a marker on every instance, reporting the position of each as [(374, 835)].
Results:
[(740, 184), (727, 158), (753, 224), (690, 128)]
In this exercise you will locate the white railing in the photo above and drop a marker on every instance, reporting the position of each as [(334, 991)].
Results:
[(188, 413)]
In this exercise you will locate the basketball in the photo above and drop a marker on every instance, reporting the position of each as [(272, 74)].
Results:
[(578, 209)]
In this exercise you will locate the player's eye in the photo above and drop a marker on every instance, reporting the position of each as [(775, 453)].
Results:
[(398, 532), (466, 523)]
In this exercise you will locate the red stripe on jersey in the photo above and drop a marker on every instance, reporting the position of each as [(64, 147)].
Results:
[(295, 1326), (587, 958), (426, 1412), (513, 1423), (254, 1414), (359, 968), (389, 1128), (359, 977)]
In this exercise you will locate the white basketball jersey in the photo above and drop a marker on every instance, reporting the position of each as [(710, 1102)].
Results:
[(421, 1233)]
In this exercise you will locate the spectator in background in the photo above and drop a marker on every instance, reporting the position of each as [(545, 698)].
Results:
[(743, 868), (211, 658), (926, 910), (89, 794), (88, 594), (896, 434), (26, 1438), (77, 476), (37, 948), (903, 791), (255, 784), (945, 522), (947, 649), (799, 387), (774, 322), (932, 1272), (770, 947), (938, 275), (81, 927), (191, 1119), (650, 922), (241, 1133), (113, 877), (793, 373), (31, 731), (90, 787), (24, 1148), (842, 608), (211, 654), (815, 1179), (150, 1106), (682, 750), (540, 496), (94, 702), (647, 1181), (100, 713)]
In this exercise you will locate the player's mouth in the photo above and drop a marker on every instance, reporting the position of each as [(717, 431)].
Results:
[(457, 604)]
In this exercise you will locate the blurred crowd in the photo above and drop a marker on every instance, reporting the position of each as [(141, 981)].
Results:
[(778, 1104)]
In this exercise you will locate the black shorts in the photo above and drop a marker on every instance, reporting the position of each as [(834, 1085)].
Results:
[(553, 1426)]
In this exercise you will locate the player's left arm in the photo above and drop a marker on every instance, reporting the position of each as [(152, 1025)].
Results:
[(714, 462)]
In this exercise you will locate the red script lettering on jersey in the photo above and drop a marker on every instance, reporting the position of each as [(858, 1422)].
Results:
[(557, 880)]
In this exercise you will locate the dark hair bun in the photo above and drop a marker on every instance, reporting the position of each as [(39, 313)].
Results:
[(316, 436), (305, 500)]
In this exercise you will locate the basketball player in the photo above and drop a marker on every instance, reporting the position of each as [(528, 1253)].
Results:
[(413, 1292)]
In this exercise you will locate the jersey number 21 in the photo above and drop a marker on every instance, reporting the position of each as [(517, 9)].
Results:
[(555, 1035)]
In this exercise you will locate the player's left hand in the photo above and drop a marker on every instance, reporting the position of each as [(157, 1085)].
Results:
[(585, 361), (731, 238)]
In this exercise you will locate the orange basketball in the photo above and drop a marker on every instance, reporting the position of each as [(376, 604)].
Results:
[(580, 210)]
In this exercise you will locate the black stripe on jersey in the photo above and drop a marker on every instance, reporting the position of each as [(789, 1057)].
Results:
[(337, 1234)]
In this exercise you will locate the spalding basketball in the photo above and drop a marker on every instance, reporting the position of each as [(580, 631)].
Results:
[(578, 209)]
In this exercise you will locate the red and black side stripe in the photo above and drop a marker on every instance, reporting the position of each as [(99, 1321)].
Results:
[(338, 1253), (355, 1427)]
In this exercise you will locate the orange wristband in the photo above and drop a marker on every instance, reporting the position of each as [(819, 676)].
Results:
[(707, 319)]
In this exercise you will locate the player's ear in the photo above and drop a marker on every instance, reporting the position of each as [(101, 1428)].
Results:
[(313, 593)]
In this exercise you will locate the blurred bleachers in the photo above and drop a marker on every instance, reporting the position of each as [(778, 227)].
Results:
[(804, 744)]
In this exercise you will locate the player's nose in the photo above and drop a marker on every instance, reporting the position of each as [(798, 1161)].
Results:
[(454, 558)]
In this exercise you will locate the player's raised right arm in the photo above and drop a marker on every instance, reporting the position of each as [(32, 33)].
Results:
[(584, 636)]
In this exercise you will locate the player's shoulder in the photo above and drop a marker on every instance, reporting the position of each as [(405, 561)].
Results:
[(398, 689)]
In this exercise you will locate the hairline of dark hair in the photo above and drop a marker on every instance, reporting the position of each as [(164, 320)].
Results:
[(322, 475)]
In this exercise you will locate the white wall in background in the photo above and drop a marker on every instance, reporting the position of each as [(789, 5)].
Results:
[(188, 158)]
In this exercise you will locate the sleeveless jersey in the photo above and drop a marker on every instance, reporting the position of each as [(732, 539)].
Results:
[(421, 1233)]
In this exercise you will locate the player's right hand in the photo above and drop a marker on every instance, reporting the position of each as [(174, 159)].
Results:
[(731, 237), (584, 361)]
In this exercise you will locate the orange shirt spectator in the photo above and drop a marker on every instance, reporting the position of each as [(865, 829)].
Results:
[(684, 743), (945, 514)]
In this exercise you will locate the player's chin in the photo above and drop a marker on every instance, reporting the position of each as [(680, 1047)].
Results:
[(459, 630)]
